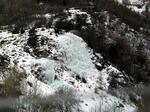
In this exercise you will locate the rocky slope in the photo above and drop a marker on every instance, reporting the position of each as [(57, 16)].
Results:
[(51, 61)]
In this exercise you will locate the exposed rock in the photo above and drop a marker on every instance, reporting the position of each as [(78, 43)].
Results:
[(4, 61)]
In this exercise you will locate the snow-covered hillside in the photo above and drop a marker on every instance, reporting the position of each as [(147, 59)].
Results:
[(68, 63), (51, 61)]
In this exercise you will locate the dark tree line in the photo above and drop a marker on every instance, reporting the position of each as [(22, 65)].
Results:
[(131, 18)]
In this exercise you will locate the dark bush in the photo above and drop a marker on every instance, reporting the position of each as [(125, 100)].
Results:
[(63, 24), (32, 40)]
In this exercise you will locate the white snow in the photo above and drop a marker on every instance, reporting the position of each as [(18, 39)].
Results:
[(104, 103), (72, 14), (47, 16), (133, 5), (131, 2), (38, 87), (48, 66), (136, 2), (77, 57), (136, 9)]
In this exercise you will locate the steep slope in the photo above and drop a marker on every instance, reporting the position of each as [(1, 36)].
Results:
[(67, 63), (52, 58)]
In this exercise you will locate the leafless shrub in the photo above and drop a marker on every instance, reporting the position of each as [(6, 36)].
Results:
[(11, 84), (64, 100)]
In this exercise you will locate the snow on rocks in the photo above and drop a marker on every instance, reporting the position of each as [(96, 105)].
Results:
[(45, 68), (136, 2), (135, 5), (105, 103), (32, 86), (67, 64), (73, 13), (131, 2)]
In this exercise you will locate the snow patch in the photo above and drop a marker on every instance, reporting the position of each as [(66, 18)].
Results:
[(72, 12)]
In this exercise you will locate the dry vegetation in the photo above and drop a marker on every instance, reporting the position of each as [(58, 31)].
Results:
[(64, 100), (11, 84)]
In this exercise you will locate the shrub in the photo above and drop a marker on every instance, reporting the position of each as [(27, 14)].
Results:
[(137, 94), (64, 100), (33, 38), (63, 24), (11, 85)]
